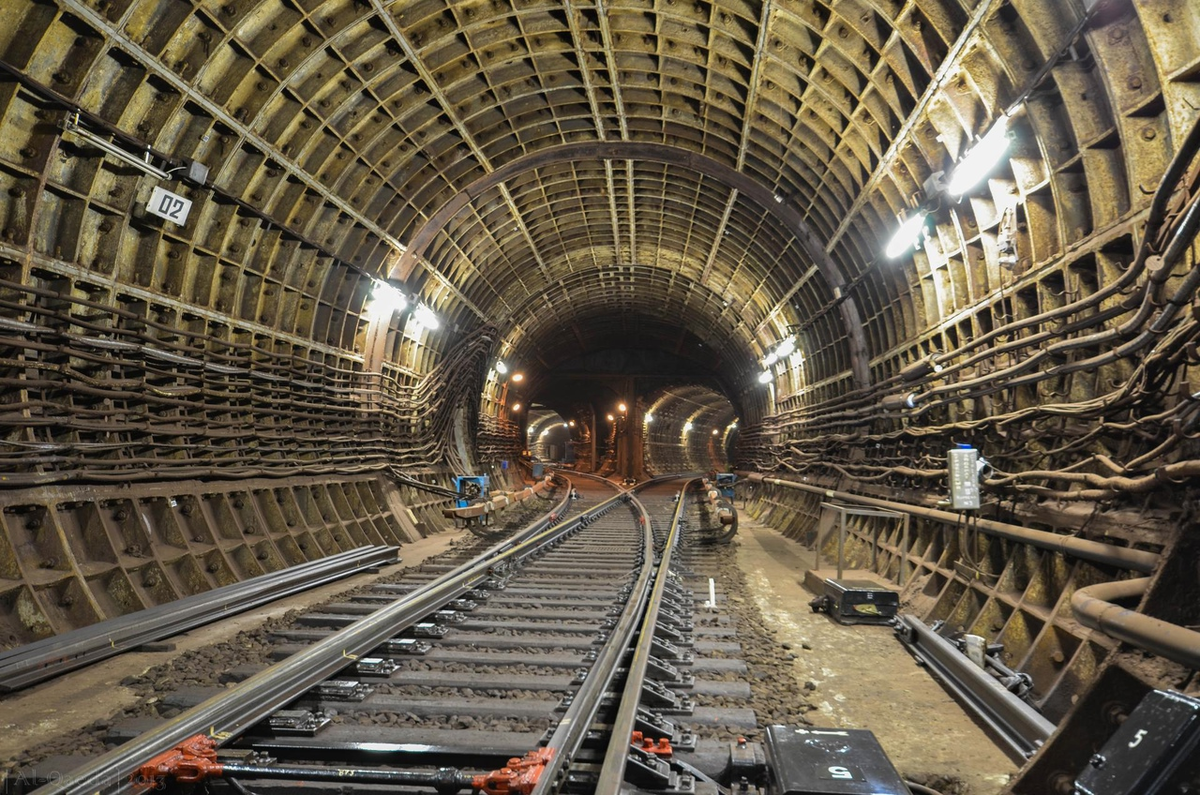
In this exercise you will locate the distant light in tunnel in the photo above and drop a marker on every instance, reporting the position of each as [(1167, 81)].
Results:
[(567, 425), (611, 418), (516, 407), (424, 317), (621, 407), (571, 423), (501, 367), (765, 377), (715, 432), (980, 159), (386, 300), (908, 236), (518, 377)]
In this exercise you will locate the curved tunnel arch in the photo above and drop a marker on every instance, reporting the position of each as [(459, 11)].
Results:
[(765, 197), (338, 133)]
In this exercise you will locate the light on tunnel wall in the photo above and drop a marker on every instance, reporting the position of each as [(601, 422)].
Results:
[(783, 350), (424, 317), (908, 236), (649, 418), (386, 300), (687, 426), (501, 367), (980, 159), (568, 425), (765, 377)]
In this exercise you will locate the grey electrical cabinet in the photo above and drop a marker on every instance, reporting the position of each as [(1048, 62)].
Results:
[(963, 464)]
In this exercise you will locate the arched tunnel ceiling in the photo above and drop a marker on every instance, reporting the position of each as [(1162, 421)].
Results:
[(733, 166)]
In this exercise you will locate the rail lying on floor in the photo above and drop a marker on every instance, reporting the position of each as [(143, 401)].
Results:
[(45, 659)]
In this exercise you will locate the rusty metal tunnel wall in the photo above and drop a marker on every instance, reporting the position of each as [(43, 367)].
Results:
[(547, 180)]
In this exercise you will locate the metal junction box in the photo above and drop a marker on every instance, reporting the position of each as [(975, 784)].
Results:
[(964, 478), (1155, 751), (857, 602), (809, 761)]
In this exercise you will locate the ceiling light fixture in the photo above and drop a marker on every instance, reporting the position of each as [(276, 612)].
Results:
[(516, 407), (715, 432), (621, 407), (765, 377), (518, 377), (424, 317), (386, 300), (611, 418), (501, 367), (571, 424), (649, 418), (980, 159), (71, 125), (908, 236), (687, 426)]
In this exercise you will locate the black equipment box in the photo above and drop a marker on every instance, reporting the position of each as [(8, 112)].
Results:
[(809, 761), (1156, 750), (857, 602)]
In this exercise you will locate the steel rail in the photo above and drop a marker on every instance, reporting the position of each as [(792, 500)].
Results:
[(227, 715), (1020, 727), (612, 772), (571, 730), (46, 659)]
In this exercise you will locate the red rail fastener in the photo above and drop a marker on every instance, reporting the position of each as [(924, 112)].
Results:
[(663, 748), (192, 761), (518, 778)]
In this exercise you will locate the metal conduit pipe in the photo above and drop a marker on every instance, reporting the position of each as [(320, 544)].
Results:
[(1093, 607), (1095, 551)]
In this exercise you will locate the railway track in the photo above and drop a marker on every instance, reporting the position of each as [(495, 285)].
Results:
[(578, 657)]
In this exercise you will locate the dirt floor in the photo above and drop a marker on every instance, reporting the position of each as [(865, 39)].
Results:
[(65, 706), (861, 676)]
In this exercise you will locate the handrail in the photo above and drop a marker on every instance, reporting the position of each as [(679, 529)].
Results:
[(1095, 551), (1093, 607)]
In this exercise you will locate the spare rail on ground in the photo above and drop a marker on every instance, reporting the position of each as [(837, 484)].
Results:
[(45, 659)]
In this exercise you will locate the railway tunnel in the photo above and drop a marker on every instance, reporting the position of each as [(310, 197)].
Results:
[(275, 275)]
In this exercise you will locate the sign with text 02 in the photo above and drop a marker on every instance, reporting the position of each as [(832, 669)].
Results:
[(169, 205)]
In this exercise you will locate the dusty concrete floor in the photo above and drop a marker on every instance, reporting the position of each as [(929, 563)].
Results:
[(863, 676), (67, 704)]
